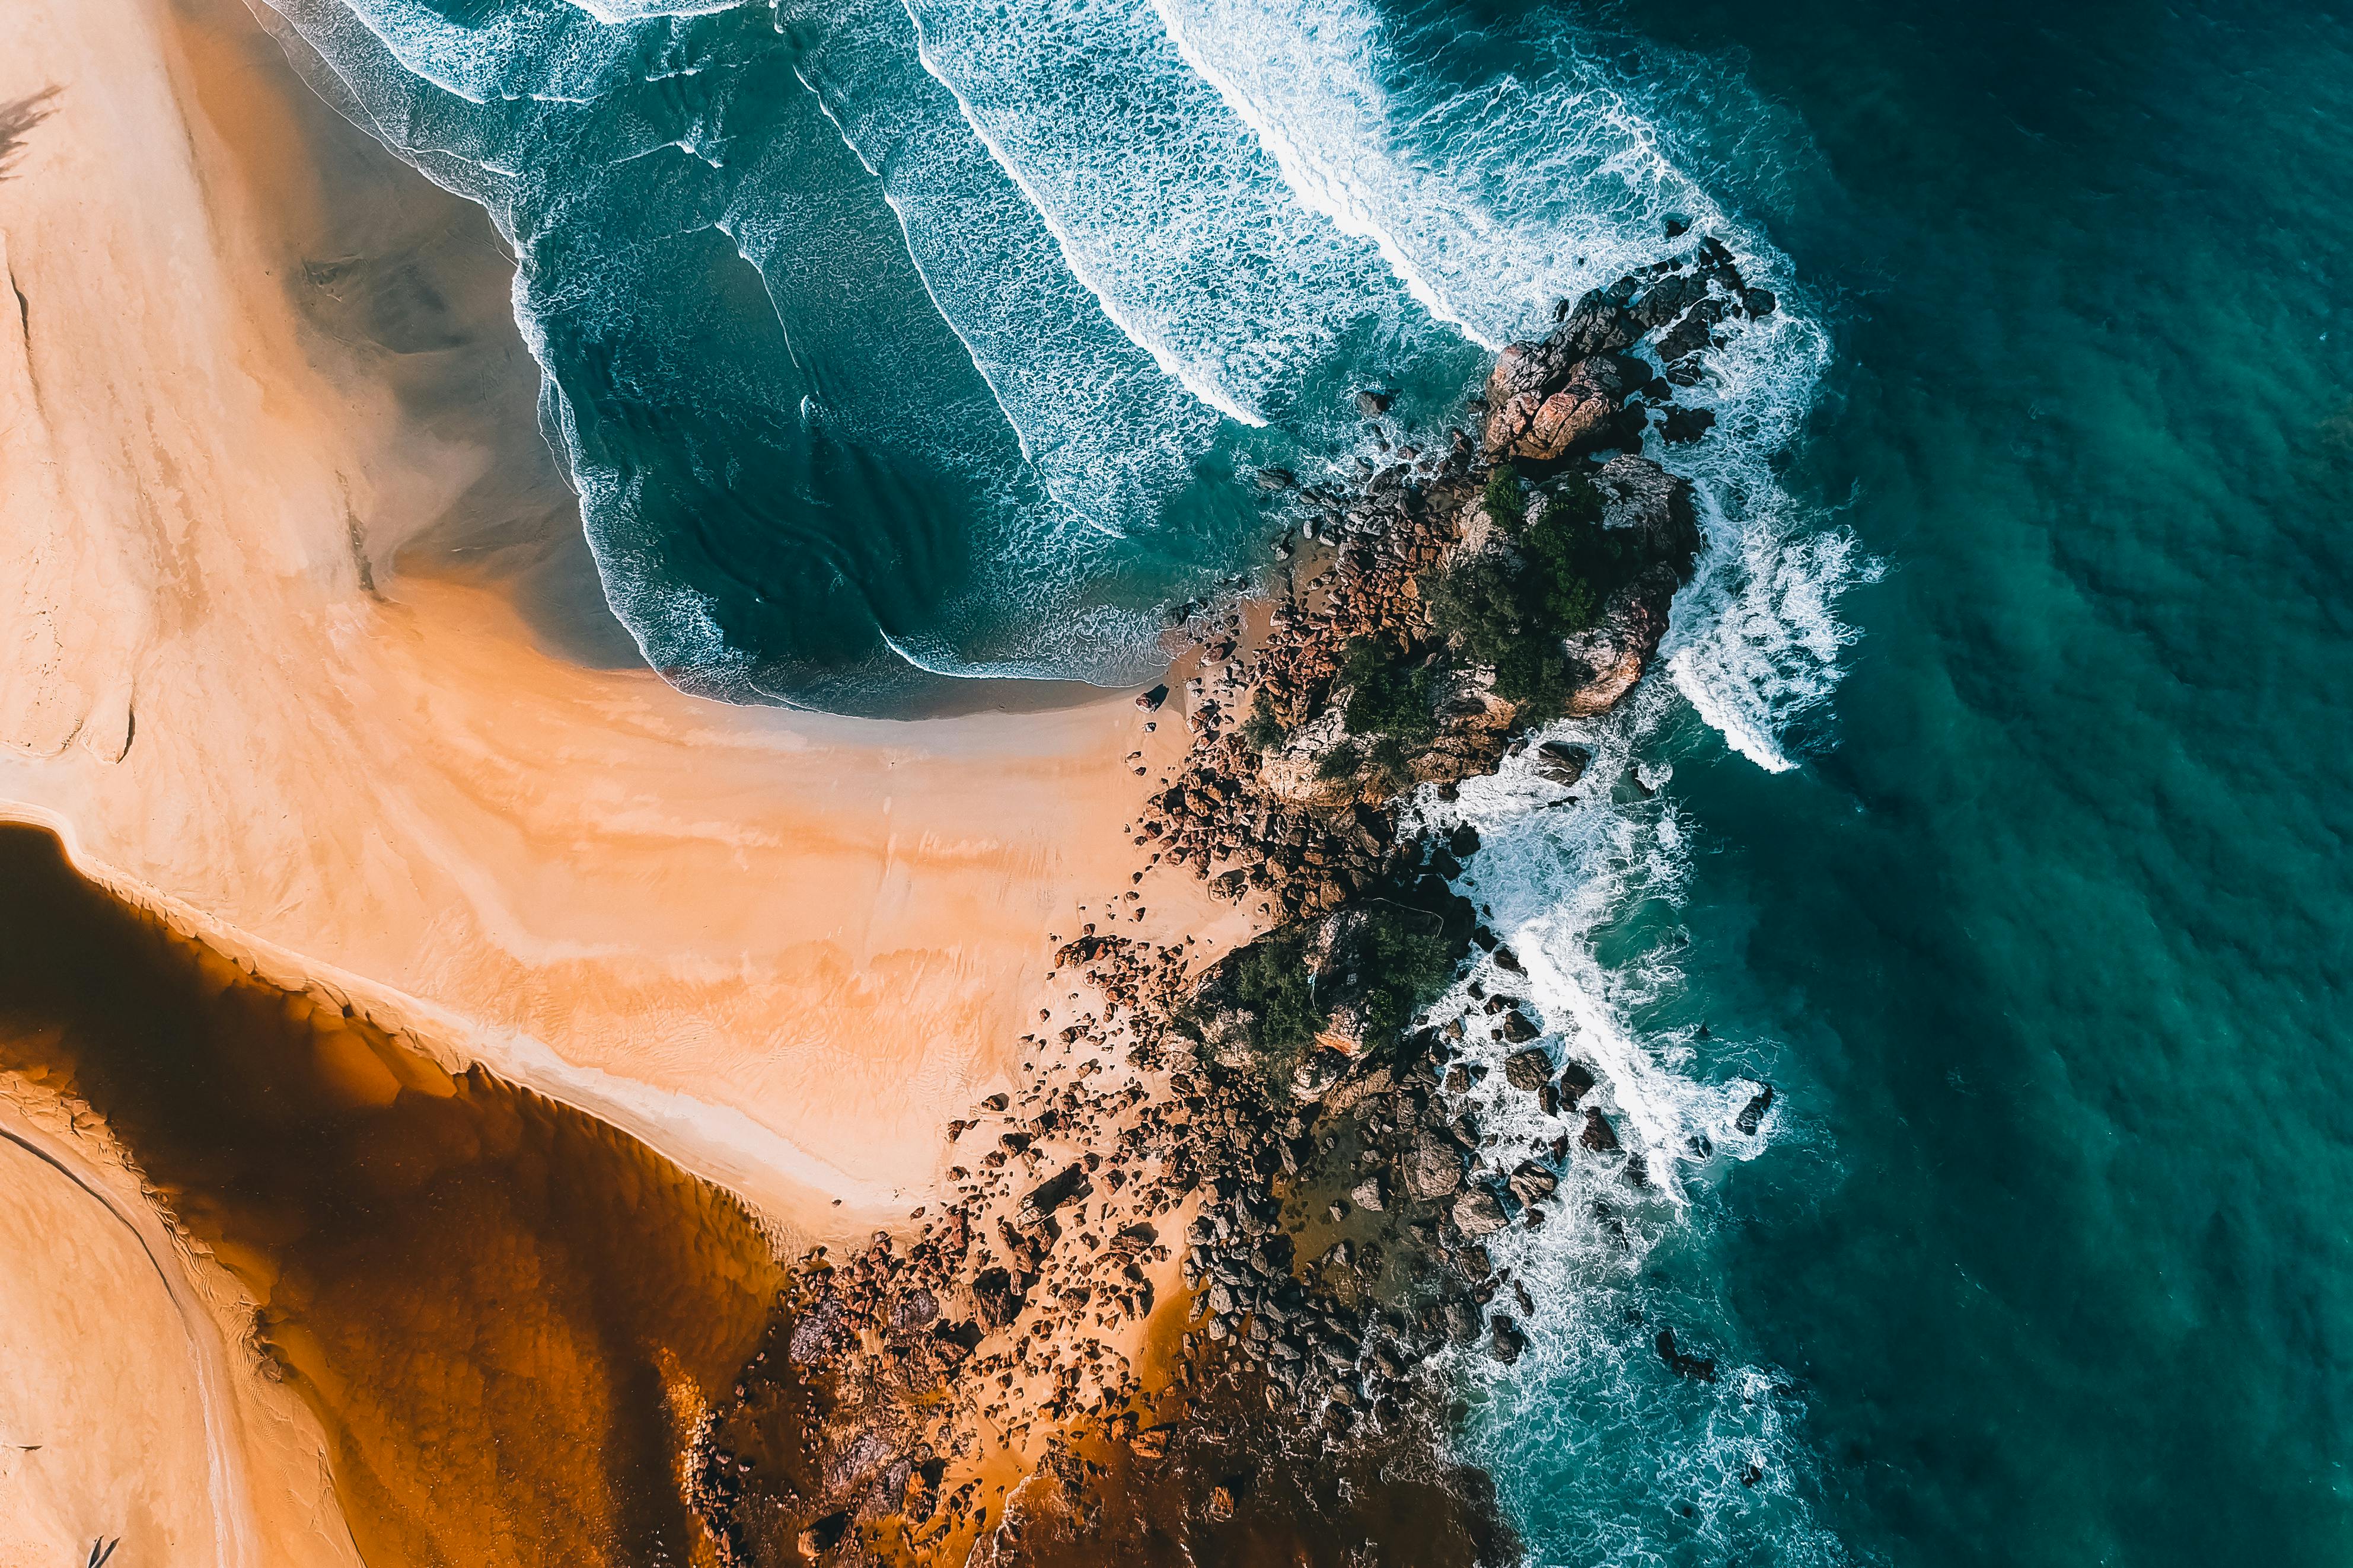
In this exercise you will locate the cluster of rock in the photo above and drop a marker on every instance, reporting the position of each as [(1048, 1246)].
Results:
[(1579, 390), (1334, 1204)]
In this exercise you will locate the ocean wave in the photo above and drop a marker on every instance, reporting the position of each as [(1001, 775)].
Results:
[(1109, 436), (1050, 255), (1161, 201), (1602, 1451)]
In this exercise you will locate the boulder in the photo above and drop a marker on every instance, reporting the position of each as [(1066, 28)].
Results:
[(1665, 299), (994, 1299), (1477, 1213), (1637, 493), (819, 1538), (1541, 414), (1530, 1182), (1562, 763), (1373, 403), (1597, 325), (1051, 1193), (1294, 772), (1369, 1194), (1694, 332), (1433, 1168), (1319, 1068), (1529, 1071), (913, 1310), (1344, 952), (1752, 1115), (1508, 1343), (819, 1330), (1688, 424), (1577, 1080), (1598, 1135), (1613, 656)]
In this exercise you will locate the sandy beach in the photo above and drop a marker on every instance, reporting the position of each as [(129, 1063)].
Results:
[(127, 1411), (783, 949)]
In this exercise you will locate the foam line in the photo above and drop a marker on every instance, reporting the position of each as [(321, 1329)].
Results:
[(1314, 189), (1186, 374)]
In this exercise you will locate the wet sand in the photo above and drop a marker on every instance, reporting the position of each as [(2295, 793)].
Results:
[(502, 1316), (133, 1409)]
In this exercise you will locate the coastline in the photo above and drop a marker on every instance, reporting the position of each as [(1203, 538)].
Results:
[(785, 947), (791, 951)]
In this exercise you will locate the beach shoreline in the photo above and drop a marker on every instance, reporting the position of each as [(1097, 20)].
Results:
[(784, 948)]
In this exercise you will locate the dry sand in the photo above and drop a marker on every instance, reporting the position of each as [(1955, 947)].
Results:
[(130, 1411), (782, 949)]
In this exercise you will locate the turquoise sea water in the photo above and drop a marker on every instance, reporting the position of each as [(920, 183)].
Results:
[(1991, 805), (2045, 945)]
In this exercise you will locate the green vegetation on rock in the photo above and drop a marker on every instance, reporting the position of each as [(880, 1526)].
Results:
[(1511, 607), (1388, 962), (1262, 732), (1387, 695)]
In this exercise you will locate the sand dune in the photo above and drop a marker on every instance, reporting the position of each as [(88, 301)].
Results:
[(782, 949)]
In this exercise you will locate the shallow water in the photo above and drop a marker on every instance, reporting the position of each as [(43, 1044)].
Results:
[(885, 343), (505, 1313)]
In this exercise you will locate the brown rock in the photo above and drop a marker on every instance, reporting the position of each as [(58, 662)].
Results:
[(1577, 1080), (1527, 1071), (1597, 325), (1477, 1213), (1531, 416), (1434, 1168)]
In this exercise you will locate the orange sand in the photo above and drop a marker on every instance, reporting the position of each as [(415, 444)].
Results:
[(782, 949), (128, 1410)]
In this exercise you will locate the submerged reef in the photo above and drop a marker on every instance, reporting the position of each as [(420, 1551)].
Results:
[(1235, 1218)]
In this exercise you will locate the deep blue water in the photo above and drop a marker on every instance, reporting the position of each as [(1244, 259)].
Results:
[(2000, 815)]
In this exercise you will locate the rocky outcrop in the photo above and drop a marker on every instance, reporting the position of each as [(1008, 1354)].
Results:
[(1285, 1088), (1434, 1169), (1540, 412)]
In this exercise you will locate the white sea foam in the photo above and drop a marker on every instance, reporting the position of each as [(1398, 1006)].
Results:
[(1756, 640), (549, 49), (1492, 194), (1106, 203), (1161, 200), (1589, 1436), (1108, 434)]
